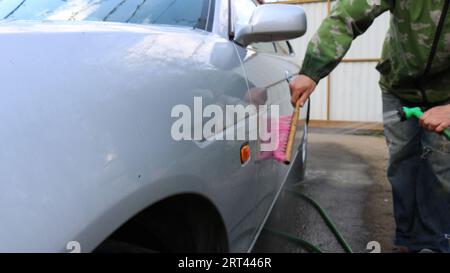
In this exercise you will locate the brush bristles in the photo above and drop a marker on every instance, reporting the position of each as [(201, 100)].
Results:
[(283, 135)]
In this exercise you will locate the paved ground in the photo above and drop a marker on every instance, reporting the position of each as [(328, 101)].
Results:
[(346, 175)]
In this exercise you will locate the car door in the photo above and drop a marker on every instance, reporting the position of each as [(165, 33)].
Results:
[(267, 68), (235, 190)]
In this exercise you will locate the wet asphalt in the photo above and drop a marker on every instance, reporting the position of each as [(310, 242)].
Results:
[(345, 175)]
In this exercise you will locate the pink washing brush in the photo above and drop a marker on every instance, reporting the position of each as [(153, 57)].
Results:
[(286, 137)]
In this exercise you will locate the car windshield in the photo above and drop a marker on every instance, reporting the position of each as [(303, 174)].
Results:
[(190, 13)]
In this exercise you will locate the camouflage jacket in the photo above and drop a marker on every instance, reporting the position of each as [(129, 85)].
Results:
[(415, 63)]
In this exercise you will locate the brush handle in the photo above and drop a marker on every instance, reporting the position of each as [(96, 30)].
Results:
[(292, 132)]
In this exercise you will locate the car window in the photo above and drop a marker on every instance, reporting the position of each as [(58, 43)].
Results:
[(264, 47), (190, 13), (283, 48), (243, 10)]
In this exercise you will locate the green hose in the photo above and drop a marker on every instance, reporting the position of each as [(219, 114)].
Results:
[(307, 245)]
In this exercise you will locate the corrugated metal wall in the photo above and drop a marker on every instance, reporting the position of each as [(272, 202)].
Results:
[(353, 93)]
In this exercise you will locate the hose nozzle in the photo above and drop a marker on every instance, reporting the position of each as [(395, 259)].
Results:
[(406, 113)]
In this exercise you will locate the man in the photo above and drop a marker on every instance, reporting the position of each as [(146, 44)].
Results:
[(415, 71)]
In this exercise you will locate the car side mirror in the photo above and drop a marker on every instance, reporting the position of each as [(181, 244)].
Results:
[(272, 22)]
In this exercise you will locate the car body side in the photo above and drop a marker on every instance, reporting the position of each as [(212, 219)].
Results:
[(85, 109)]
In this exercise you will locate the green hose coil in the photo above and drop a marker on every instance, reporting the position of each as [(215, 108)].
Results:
[(307, 245)]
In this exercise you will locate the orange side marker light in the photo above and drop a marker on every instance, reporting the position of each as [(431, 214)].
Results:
[(245, 153)]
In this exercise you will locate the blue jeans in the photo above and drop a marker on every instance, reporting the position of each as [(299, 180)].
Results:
[(419, 172)]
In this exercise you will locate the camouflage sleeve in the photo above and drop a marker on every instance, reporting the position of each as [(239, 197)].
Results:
[(347, 20)]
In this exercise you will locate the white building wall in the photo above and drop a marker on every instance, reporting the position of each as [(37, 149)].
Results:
[(354, 91), (315, 13), (355, 94)]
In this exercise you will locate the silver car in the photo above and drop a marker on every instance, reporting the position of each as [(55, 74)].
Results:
[(88, 161)]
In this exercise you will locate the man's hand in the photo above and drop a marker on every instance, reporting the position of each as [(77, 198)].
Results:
[(301, 88), (436, 119)]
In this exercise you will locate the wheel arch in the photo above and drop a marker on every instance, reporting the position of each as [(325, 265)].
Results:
[(195, 213)]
